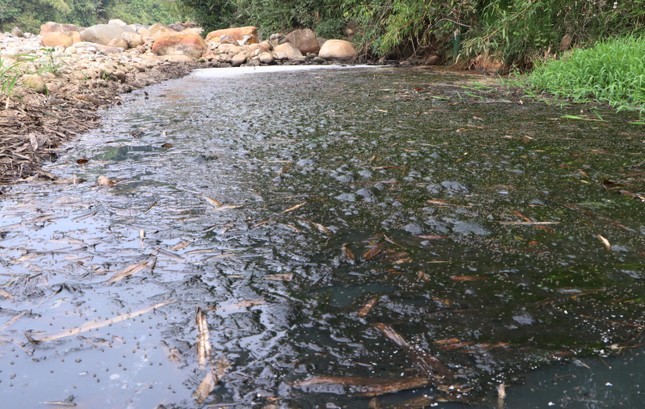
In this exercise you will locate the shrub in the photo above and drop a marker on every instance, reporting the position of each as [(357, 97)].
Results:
[(611, 71)]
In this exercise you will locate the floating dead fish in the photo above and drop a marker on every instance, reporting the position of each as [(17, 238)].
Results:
[(604, 242), (127, 272), (347, 252), (204, 347), (69, 181), (359, 386), (105, 181), (432, 237), (294, 208), (468, 278), (279, 277), (321, 228)]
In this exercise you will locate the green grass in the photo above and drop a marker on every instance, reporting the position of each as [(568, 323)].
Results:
[(612, 71)]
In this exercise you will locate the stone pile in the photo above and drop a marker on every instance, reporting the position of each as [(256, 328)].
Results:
[(228, 47)]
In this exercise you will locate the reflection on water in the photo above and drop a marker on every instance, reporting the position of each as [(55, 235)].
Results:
[(346, 233)]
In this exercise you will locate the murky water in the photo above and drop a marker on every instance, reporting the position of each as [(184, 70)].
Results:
[(346, 232)]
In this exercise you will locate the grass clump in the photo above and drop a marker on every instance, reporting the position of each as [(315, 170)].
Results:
[(612, 71)]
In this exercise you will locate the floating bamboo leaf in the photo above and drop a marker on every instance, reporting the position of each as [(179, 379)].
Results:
[(127, 272), (373, 251), (96, 324), (367, 307), (430, 365)]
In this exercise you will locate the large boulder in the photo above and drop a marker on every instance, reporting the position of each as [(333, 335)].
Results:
[(157, 30), (243, 35), (286, 51), (340, 50), (304, 40), (184, 43), (60, 39), (103, 33), (51, 27)]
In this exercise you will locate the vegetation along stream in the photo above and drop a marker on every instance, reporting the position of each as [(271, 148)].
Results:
[(364, 237)]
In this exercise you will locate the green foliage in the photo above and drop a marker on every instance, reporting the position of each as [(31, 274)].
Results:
[(521, 31), (9, 74), (30, 14), (611, 71), (144, 11)]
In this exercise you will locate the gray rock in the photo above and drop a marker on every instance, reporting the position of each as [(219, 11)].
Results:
[(103, 33)]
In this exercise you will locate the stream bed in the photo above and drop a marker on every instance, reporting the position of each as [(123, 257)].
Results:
[(322, 238)]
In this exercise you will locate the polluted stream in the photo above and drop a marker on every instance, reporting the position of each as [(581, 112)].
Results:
[(347, 237)]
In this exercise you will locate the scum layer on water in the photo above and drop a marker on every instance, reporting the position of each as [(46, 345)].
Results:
[(433, 183)]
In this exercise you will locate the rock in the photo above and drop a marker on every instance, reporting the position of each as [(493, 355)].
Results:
[(177, 58), (103, 33), (304, 40), (51, 27), (277, 39), (239, 59), (337, 50), (17, 32), (265, 58), (229, 49), (286, 51), (243, 35), (487, 63), (119, 42), (184, 43), (134, 40), (433, 59), (34, 82), (566, 42), (117, 22), (60, 39), (157, 30)]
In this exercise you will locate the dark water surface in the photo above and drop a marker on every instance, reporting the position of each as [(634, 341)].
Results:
[(372, 226)]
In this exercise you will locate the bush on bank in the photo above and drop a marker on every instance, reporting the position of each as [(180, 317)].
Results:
[(612, 71)]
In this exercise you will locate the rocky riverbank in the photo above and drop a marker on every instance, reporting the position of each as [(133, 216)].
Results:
[(53, 83)]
